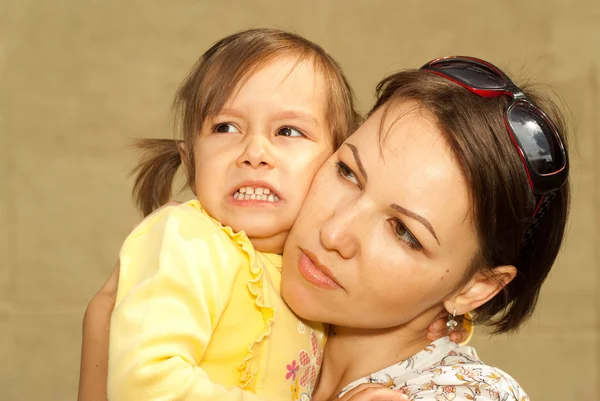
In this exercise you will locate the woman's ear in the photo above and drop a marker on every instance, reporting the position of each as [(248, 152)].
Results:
[(183, 154), (481, 288)]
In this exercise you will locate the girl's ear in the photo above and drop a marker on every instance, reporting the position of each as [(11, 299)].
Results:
[(481, 288), (183, 154)]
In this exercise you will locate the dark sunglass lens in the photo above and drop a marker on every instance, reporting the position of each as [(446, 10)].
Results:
[(474, 75), (537, 138)]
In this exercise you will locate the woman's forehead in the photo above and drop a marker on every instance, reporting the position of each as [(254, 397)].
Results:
[(401, 127), (409, 162)]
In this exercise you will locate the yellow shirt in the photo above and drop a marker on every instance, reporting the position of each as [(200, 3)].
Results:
[(199, 317)]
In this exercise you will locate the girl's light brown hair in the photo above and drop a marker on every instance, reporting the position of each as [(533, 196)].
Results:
[(213, 79), (501, 198)]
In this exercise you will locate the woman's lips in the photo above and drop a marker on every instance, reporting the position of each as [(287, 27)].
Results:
[(316, 273)]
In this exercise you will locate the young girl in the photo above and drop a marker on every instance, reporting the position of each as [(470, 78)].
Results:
[(198, 313)]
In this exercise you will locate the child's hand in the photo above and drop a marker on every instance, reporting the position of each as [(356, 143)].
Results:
[(373, 392), (438, 329)]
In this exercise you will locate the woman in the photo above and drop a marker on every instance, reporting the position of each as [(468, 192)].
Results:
[(453, 196)]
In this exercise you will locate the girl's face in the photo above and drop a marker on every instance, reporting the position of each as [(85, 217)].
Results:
[(386, 233), (256, 159)]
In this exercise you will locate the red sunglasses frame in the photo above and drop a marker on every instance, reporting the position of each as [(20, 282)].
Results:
[(517, 97)]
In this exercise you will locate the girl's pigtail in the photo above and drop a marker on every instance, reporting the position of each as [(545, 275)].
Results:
[(155, 173)]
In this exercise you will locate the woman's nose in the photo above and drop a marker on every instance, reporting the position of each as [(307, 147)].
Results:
[(256, 152), (339, 232)]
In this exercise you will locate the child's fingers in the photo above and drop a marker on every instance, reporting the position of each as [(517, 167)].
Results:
[(373, 392), (438, 328), (457, 337), (460, 334)]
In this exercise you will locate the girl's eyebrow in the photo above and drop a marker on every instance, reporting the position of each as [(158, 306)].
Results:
[(297, 115), (417, 217)]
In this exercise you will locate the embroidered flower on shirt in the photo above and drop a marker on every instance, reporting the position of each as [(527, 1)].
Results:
[(494, 395), (295, 390), (462, 373), (292, 370), (410, 391), (311, 362), (445, 393), (387, 380), (428, 386)]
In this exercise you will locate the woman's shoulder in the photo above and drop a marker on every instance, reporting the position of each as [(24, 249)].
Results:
[(445, 371), (461, 375)]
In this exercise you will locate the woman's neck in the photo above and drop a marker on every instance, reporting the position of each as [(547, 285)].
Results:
[(351, 354)]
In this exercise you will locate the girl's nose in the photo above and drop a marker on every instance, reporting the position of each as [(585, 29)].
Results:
[(256, 152)]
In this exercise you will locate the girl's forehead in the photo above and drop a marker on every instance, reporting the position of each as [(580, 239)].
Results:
[(289, 81), (278, 71)]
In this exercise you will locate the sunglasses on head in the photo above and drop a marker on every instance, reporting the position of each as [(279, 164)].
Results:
[(535, 137)]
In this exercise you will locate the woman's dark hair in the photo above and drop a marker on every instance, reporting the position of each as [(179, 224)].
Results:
[(501, 198)]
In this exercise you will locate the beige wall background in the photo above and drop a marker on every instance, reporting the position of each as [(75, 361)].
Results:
[(79, 79)]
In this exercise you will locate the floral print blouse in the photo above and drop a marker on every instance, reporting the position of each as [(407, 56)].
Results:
[(445, 371)]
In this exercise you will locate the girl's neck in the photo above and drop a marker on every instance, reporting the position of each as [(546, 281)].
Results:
[(351, 354), (272, 244)]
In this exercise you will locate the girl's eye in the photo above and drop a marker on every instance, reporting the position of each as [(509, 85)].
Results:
[(405, 235), (346, 173), (290, 131), (225, 127)]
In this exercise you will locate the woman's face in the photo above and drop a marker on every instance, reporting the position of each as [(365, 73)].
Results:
[(385, 234)]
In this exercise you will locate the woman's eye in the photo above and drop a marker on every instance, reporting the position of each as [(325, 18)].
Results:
[(290, 131), (404, 235), (225, 127), (345, 172)]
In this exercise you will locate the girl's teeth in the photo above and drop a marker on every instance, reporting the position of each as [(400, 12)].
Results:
[(260, 194)]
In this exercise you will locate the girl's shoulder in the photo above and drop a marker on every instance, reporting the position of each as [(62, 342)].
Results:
[(192, 222)]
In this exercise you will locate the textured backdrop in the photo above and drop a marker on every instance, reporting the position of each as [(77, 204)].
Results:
[(80, 78)]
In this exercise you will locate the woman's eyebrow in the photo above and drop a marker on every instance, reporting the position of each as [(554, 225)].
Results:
[(417, 217), (357, 159)]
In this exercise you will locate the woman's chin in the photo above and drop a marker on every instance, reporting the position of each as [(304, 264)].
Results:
[(299, 301)]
